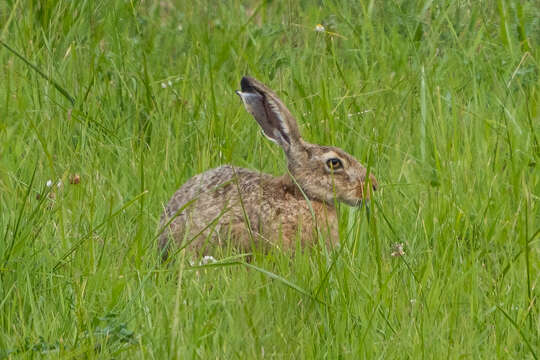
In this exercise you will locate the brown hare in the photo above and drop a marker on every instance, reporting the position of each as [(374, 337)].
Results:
[(253, 208)]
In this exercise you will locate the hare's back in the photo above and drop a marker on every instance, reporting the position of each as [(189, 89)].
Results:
[(215, 187)]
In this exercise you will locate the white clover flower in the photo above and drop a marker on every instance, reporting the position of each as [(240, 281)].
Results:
[(163, 85), (397, 250), (319, 28), (49, 183), (207, 260)]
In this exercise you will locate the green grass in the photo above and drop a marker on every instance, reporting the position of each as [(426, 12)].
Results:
[(439, 98)]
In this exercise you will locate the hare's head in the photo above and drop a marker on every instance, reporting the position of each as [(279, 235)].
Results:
[(324, 173)]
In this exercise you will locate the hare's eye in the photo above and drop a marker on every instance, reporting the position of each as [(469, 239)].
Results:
[(334, 164)]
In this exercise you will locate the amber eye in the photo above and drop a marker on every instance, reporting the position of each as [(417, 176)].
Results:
[(334, 164)]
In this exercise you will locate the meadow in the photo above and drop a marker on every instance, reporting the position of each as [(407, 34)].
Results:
[(107, 107)]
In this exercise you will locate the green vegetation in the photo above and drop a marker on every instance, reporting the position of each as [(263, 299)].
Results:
[(439, 98)]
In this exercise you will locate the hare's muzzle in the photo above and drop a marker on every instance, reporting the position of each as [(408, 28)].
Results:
[(373, 181), (366, 187)]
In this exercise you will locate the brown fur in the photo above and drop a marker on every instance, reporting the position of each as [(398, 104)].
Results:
[(254, 208)]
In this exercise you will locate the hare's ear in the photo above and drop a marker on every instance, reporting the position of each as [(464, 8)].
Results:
[(274, 118)]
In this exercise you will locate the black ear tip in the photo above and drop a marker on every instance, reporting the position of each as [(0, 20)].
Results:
[(246, 84)]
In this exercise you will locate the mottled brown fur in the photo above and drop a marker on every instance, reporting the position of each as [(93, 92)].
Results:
[(254, 208)]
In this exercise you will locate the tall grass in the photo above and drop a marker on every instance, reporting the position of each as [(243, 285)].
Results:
[(439, 98)]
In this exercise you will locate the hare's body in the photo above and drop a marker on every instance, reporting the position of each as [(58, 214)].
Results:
[(247, 206), (253, 208)]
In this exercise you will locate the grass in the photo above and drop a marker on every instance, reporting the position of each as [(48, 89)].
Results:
[(439, 98)]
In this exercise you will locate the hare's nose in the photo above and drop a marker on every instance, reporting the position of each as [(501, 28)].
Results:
[(373, 181), (363, 191)]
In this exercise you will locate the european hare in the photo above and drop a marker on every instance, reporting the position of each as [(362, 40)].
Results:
[(250, 207)]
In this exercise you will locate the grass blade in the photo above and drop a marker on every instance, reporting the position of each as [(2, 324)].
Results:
[(515, 325), (41, 73)]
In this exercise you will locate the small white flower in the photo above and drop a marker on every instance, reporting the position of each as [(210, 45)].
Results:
[(49, 183), (207, 260), (180, 27), (397, 250), (163, 85), (169, 83), (59, 184), (359, 113), (319, 28)]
